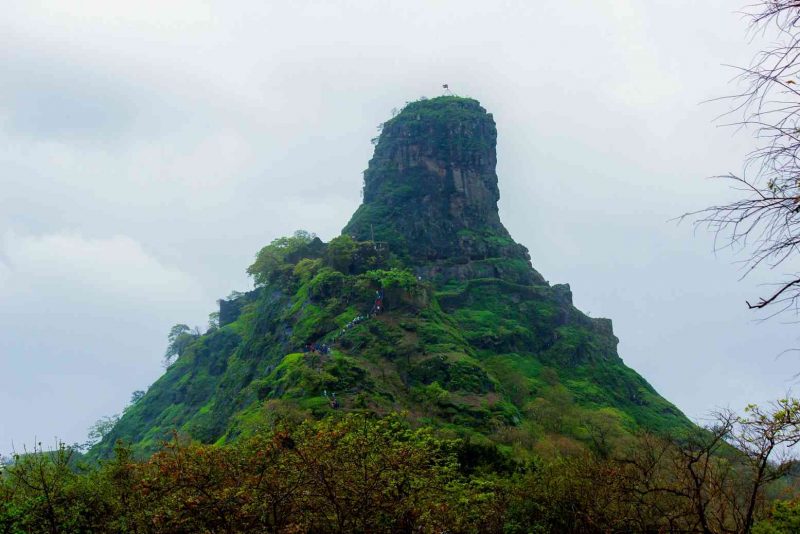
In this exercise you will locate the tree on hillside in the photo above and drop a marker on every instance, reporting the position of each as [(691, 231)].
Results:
[(765, 217), (179, 338), (101, 428), (274, 256), (213, 321)]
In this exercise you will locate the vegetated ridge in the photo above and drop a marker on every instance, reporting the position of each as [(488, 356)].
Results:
[(424, 305)]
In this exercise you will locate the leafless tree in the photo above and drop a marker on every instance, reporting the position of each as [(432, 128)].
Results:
[(765, 218), (698, 482)]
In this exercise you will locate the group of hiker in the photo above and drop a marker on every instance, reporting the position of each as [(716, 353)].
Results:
[(320, 348), (324, 348), (378, 306), (334, 403), (356, 320)]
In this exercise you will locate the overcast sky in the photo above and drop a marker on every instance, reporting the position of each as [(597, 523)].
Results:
[(148, 150)]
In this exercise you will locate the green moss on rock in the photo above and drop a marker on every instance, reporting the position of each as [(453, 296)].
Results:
[(471, 338)]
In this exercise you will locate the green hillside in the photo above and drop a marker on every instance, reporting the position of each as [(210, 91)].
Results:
[(467, 337)]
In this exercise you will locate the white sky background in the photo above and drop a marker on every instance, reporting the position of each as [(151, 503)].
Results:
[(148, 150)]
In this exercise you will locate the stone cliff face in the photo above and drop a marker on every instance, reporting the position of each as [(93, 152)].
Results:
[(431, 191)]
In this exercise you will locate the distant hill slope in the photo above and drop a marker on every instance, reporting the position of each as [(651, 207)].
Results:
[(424, 304)]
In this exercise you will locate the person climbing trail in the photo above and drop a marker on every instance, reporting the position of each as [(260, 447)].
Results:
[(378, 306)]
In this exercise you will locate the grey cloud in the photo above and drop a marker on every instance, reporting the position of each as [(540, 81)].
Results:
[(200, 133), (52, 97), (81, 321)]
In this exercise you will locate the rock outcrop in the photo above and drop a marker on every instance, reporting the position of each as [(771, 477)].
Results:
[(424, 306), (431, 193)]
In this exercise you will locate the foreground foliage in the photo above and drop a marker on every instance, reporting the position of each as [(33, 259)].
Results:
[(361, 474)]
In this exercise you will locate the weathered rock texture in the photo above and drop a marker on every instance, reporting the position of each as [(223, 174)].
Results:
[(431, 192)]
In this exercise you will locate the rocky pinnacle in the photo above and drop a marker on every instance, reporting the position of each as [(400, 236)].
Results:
[(431, 188)]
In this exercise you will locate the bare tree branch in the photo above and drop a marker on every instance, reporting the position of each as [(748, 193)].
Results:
[(765, 220)]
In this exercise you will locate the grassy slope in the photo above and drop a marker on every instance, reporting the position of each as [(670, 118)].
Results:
[(487, 358), (486, 349)]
